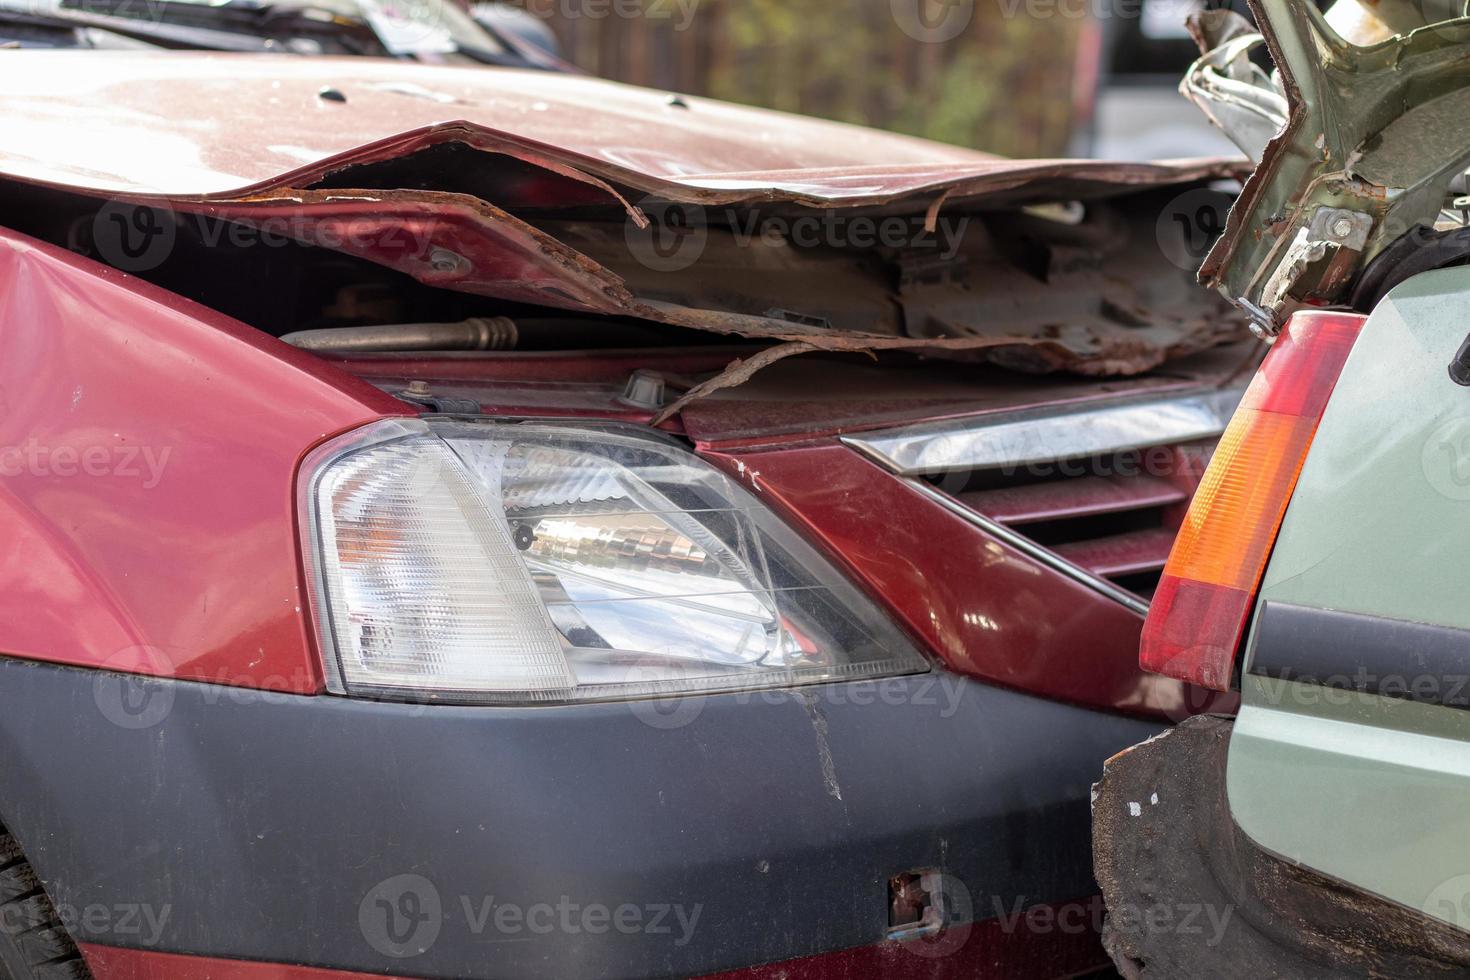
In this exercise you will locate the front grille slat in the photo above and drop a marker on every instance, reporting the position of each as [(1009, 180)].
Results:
[(1097, 491), (1118, 555), (1078, 497)]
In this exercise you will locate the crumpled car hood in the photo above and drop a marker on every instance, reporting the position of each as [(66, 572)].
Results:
[(482, 166), (220, 125)]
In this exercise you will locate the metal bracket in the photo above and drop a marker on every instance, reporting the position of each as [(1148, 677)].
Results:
[(1375, 135)]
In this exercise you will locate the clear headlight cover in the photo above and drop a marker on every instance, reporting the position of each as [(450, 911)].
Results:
[(547, 563)]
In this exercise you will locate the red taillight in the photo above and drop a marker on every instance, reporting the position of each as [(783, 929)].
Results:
[(1204, 599)]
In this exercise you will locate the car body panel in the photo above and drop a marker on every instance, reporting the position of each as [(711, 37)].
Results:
[(1367, 788), (213, 142), (1381, 504), (258, 826), (987, 609), (121, 406)]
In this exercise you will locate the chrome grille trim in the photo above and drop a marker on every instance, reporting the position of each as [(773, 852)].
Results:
[(1035, 437)]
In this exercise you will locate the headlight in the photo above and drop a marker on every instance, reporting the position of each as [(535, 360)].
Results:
[(536, 562)]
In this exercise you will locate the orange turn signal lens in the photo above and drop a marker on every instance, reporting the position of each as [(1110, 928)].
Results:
[(1203, 602)]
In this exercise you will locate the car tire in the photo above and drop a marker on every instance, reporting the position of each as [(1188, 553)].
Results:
[(34, 945)]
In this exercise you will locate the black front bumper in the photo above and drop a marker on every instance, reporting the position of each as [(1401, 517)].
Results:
[(327, 831)]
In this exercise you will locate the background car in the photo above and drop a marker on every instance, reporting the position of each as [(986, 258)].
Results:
[(1318, 831)]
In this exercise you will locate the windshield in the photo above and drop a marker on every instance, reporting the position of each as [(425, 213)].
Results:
[(424, 29)]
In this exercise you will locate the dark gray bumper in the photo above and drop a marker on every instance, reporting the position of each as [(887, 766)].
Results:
[(339, 833)]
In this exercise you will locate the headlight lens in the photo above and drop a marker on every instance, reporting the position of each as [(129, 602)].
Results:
[(531, 562)]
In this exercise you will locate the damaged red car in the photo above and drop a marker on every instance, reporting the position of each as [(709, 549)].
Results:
[(478, 520)]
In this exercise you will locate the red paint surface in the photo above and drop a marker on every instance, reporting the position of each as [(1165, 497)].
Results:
[(1057, 941), (187, 568), (987, 610), (1046, 942), (112, 963)]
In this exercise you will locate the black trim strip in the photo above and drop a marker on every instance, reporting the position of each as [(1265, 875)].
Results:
[(1368, 654)]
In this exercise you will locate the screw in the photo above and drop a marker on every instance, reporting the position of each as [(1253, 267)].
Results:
[(328, 94), (443, 260), (1341, 228), (418, 388)]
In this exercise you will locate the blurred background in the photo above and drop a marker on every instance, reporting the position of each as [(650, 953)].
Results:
[(1026, 78)]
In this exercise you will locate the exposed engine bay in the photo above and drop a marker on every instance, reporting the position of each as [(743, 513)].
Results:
[(383, 257)]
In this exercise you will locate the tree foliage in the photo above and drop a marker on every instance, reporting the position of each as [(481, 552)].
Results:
[(1004, 83)]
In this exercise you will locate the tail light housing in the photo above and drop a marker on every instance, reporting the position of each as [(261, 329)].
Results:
[(1204, 599)]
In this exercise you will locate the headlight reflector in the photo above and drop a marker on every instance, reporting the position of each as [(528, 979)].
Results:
[(546, 563)]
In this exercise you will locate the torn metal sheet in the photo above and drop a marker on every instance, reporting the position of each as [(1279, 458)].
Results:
[(1376, 131), (1100, 302), (1233, 92)]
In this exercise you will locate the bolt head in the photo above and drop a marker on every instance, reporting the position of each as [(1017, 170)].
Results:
[(443, 260)]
